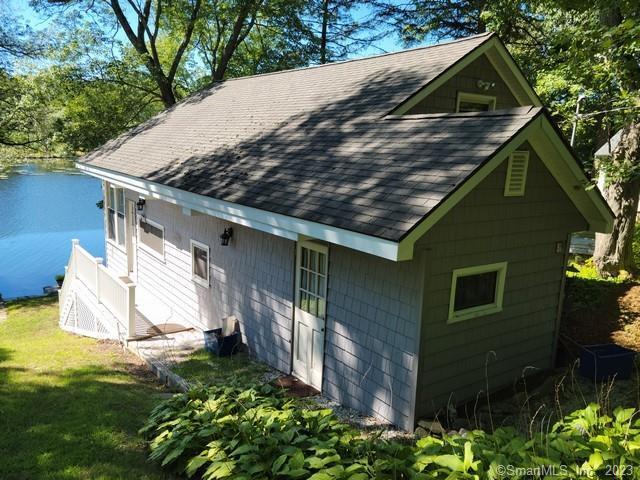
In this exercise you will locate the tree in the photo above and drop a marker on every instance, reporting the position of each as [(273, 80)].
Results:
[(15, 43), (620, 51), (145, 24), (342, 27)]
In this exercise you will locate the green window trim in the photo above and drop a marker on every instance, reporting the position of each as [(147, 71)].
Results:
[(479, 310), (477, 98)]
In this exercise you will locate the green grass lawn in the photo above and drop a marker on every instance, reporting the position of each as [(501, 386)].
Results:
[(70, 407), (203, 368)]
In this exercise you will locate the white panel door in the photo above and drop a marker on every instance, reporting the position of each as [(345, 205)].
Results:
[(310, 311)]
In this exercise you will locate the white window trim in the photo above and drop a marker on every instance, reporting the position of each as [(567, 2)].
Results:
[(480, 310), (205, 282), (475, 98), (520, 193), (146, 248), (114, 241), (319, 248)]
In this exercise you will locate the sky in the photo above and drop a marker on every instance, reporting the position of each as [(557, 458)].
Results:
[(38, 22)]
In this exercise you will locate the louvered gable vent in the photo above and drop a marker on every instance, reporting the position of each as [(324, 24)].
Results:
[(516, 174)]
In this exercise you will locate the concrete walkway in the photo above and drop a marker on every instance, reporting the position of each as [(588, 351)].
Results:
[(164, 351)]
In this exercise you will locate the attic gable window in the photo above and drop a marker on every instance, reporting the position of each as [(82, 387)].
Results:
[(474, 102), (476, 291), (516, 180)]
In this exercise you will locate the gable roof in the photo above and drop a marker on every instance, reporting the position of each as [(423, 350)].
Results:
[(315, 146)]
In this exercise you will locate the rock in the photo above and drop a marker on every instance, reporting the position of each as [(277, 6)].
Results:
[(432, 426), (420, 432)]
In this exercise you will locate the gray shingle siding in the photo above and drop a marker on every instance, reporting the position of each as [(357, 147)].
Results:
[(486, 227), (443, 99), (251, 278), (373, 306), (373, 311)]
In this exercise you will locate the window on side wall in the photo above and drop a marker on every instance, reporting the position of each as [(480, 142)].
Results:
[(151, 236), (476, 291), (200, 263), (475, 102), (115, 214)]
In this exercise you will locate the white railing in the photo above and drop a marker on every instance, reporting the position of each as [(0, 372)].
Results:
[(112, 292), (69, 276)]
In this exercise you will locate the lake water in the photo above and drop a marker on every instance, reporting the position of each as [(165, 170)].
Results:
[(42, 207)]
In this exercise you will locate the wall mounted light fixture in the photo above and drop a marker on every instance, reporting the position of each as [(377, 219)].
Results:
[(226, 236), (140, 204), (485, 85)]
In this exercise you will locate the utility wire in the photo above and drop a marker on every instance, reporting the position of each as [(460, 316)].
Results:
[(593, 114)]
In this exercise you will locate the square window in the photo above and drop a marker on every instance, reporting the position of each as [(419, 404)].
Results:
[(476, 291), (200, 263)]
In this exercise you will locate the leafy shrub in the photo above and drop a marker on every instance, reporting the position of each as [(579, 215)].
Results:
[(257, 433), (221, 432)]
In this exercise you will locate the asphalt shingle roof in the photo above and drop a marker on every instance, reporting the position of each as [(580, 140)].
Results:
[(316, 143)]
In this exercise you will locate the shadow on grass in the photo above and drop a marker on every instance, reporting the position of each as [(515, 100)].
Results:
[(81, 423), (5, 354)]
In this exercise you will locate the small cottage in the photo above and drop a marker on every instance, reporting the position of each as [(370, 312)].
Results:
[(378, 226)]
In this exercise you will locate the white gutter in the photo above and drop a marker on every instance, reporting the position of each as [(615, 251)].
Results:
[(273, 223)]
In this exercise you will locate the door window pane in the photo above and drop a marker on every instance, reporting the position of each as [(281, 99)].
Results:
[(312, 275)]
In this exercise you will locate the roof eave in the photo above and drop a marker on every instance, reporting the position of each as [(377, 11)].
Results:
[(276, 224), (585, 196)]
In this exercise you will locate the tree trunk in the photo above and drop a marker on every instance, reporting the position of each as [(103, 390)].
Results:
[(164, 84), (323, 35), (614, 251)]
